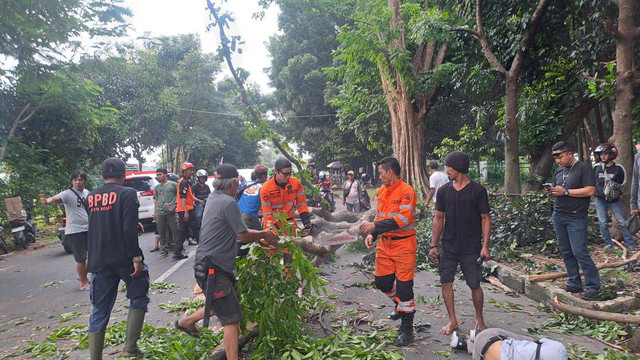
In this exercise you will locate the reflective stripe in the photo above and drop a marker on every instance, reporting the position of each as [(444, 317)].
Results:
[(266, 203), (408, 227), (267, 214), (279, 206), (404, 219), (392, 214), (406, 306), (382, 214), (290, 203), (392, 294), (300, 193), (406, 207)]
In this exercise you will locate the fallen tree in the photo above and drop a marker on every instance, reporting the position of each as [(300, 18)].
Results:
[(551, 276)]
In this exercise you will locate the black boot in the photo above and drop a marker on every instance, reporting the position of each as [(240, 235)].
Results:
[(406, 330), (394, 315)]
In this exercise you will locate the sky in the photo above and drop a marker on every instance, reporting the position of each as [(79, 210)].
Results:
[(173, 17)]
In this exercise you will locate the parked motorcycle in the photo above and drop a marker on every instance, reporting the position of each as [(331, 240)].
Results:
[(62, 237), (24, 231), (3, 245)]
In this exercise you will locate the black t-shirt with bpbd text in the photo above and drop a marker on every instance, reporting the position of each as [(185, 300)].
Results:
[(577, 176), (462, 234), (112, 239)]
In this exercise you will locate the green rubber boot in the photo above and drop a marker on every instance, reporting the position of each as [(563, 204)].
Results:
[(134, 327), (96, 343)]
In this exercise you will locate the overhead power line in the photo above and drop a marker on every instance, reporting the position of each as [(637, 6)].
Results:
[(228, 114)]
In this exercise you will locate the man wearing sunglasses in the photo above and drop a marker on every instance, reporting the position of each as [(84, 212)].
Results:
[(574, 182), (77, 221), (284, 194)]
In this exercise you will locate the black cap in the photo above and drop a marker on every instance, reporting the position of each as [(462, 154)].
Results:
[(113, 168), (458, 160), (226, 171), (282, 163)]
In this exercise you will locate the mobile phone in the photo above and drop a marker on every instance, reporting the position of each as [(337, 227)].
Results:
[(547, 185)]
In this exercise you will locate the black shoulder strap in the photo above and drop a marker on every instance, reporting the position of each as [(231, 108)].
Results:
[(538, 349), (79, 197)]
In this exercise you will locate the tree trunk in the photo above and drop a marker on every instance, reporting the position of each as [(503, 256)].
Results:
[(542, 162), (625, 35), (512, 135)]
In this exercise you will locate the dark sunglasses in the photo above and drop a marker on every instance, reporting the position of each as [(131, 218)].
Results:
[(285, 173), (557, 155)]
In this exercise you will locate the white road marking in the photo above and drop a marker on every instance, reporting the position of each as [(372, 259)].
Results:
[(173, 269)]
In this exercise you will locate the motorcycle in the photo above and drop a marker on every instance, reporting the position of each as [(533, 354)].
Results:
[(62, 237), (23, 230), (3, 245)]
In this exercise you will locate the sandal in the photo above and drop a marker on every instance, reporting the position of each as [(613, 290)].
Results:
[(195, 332)]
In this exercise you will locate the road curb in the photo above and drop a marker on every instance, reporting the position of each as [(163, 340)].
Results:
[(4, 256), (544, 292)]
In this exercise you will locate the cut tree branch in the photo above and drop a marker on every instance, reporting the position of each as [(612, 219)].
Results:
[(595, 314), (551, 276), (245, 99)]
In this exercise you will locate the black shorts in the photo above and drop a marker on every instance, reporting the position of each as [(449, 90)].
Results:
[(225, 302), (471, 270), (78, 242)]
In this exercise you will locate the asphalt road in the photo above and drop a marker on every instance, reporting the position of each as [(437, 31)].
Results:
[(37, 286)]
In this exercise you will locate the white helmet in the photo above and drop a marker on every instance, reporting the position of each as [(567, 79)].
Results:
[(201, 172)]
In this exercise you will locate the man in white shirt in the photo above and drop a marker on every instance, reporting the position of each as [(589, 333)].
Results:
[(437, 179), (77, 221)]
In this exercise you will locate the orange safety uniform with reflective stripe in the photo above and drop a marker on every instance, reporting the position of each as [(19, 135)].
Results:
[(287, 201), (186, 194), (396, 249)]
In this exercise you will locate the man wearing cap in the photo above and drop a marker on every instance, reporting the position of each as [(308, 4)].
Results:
[(436, 180), (114, 255), (461, 216), (221, 225), (396, 250), (185, 208), (351, 193), (249, 202), (284, 194)]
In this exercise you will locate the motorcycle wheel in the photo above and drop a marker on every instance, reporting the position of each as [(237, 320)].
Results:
[(20, 240), (3, 246), (31, 238)]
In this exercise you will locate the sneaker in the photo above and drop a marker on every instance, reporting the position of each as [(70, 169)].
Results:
[(590, 296), (572, 289), (179, 257), (472, 335), (192, 242), (457, 341), (155, 249), (608, 247), (163, 255)]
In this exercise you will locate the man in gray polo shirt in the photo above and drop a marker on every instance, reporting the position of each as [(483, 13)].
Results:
[(77, 222), (221, 225)]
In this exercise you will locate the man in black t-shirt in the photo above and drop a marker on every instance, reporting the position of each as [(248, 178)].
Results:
[(114, 255), (573, 184), (201, 192), (462, 218)]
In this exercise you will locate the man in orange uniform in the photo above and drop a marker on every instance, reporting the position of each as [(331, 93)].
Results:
[(186, 215), (284, 194), (396, 250)]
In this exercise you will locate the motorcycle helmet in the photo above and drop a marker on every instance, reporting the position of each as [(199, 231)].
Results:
[(201, 172), (606, 148), (322, 176), (185, 165)]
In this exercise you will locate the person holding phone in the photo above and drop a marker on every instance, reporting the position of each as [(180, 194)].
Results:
[(574, 182)]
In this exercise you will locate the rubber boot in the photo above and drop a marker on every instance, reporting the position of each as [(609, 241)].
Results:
[(394, 315), (134, 327), (406, 330), (96, 343)]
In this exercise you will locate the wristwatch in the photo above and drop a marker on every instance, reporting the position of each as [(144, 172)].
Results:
[(566, 192), (137, 259)]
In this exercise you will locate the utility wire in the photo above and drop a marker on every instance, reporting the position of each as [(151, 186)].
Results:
[(228, 114)]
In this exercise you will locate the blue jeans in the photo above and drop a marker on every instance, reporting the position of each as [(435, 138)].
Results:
[(104, 291), (602, 207), (572, 241)]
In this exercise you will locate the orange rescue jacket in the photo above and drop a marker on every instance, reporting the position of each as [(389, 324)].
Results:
[(398, 202), (184, 192), (287, 201)]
